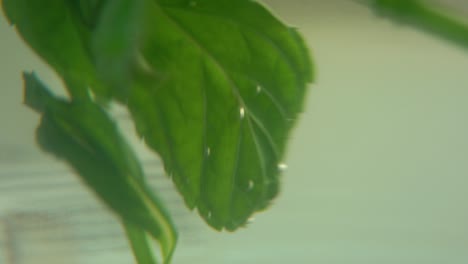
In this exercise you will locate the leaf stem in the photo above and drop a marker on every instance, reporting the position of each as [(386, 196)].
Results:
[(424, 17), (140, 245)]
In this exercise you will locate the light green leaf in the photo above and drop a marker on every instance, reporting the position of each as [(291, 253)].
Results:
[(230, 84), (83, 135)]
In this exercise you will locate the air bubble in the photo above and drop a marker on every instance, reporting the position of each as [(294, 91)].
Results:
[(208, 151), (209, 215), (258, 89), (282, 166), (242, 112), (250, 185), (143, 63), (91, 95)]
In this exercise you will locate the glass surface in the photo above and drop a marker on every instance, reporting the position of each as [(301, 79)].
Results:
[(377, 167)]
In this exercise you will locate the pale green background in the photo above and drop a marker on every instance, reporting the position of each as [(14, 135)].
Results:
[(378, 165)]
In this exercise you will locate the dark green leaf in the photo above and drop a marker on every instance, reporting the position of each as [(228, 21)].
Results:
[(230, 84), (116, 39), (214, 86), (56, 33), (80, 133)]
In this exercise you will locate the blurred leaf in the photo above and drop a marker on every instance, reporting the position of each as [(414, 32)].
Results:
[(140, 244), (229, 83), (115, 40), (57, 32), (421, 15), (81, 134)]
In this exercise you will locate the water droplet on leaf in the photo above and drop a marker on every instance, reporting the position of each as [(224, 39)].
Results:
[(282, 166), (91, 94), (258, 89), (242, 112), (250, 185)]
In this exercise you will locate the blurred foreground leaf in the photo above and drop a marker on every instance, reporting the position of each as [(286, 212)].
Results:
[(81, 134), (421, 15)]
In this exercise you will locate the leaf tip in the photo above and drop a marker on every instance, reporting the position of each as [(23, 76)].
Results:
[(36, 94)]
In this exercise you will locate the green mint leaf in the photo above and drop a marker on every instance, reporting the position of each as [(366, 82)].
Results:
[(83, 135), (56, 32), (214, 86), (115, 41), (229, 83), (424, 16)]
